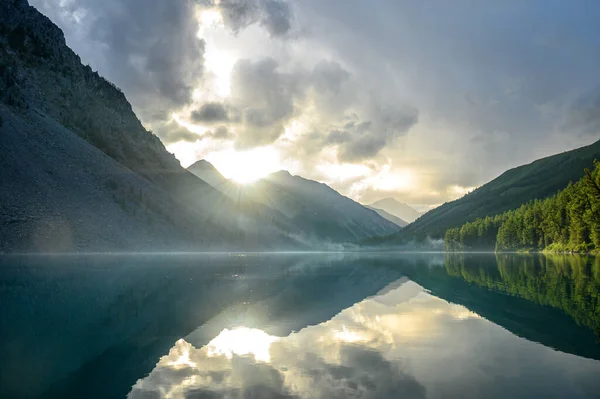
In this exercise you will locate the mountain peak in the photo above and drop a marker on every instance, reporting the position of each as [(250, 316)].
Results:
[(389, 200), (281, 176), (207, 172), (202, 164), (281, 173), (397, 208)]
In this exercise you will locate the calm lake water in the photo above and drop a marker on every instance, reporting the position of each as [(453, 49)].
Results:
[(300, 326)]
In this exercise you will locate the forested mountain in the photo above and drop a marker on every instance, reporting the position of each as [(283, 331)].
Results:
[(321, 214), (397, 208), (537, 180), (567, 221), (80, 172)]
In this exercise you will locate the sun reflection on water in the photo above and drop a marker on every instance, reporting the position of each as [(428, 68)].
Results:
[(242, 341), (402, 343)]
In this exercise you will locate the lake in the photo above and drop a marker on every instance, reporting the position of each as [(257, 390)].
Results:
[(335, 325)]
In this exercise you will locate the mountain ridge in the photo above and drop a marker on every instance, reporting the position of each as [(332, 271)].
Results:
[(397, 208), (319, 211), (536, 180), (386, 215)]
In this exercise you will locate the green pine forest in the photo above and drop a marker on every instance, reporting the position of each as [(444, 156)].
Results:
[(569, 283), (569, 221)]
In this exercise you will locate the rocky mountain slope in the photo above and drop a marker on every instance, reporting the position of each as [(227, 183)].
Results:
[(75, 155)]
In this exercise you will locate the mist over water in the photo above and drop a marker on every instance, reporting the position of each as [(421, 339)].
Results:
[(299, 325)]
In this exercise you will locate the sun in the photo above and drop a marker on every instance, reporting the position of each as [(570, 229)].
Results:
[(246, 166)]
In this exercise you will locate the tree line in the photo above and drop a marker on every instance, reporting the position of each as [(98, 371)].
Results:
[(568, 283), (569, 221)]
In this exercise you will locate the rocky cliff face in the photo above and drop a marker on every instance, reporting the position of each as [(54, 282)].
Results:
[(38, 70)]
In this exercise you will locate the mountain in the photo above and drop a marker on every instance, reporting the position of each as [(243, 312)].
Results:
[(207, 172), (322, 214), (537, 180), (396, 208), (388, 216), (79, 172), (317, 209)]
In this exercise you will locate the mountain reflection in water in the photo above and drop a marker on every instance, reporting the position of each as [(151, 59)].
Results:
[(299, 325), (403, 342)]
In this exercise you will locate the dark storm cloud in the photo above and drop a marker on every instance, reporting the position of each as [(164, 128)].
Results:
[(211, 112), (148, 48), (274, 15)]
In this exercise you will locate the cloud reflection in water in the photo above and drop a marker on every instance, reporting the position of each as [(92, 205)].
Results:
[(403, 342)]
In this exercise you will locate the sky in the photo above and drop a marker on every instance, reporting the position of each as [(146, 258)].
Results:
[(420, 101)]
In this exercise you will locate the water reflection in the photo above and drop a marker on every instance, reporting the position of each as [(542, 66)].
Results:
[(566, 282), (341, 325), (403, 342)]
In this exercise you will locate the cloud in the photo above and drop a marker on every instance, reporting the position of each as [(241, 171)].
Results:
[(583, 115), (338, 137), (360, 372), (265, 98), (209, 113), (370, 137), (329, 76), (171, 132), (274, 15), (277, 17), (220, 133)]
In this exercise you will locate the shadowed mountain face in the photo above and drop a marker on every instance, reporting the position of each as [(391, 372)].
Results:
[(389, 216), (396, 208), (318, 211), (67, 130), (537, 180)]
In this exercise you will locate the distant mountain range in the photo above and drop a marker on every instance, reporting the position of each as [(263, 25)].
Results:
[(386, 215), (537, 180), (397, 208), (320, 212)]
